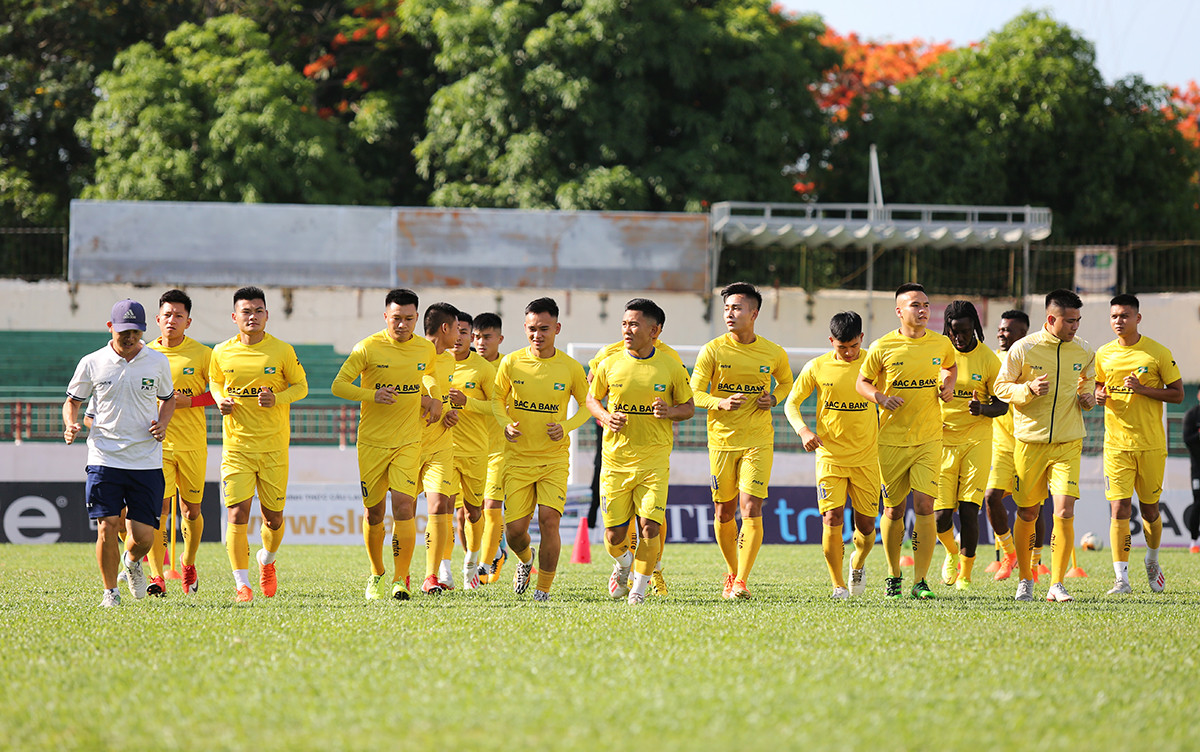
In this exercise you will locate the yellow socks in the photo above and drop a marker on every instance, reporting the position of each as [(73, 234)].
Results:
[(924, 536), (893, 538), (525, 555), (493, 528), (1062, 544), (238, 547), (947, 539), (727, 541), (862, 546), (545, 579), (834, 548), (404, 542), (437, 530), (271, 540), (1006, 543), (1153, 531), (748, 543), (158, 546), (662, 541), (1024, 533), (968, 563), (620, 552), (373, 537), (1120, 539), (646, 555), (473, 531), (193, 531)]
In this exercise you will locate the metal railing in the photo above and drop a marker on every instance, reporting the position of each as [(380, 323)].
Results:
[(33, 252)]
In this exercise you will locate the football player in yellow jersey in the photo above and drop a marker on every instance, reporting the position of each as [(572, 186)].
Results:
[(1134, 377), (533, 388), (471, 393), (254, 377), (487, 336), (646, 390), (437, 475), (1014, 325), (901, 375), (185, 449), (732, 381), (398, 395), (1047, 379), (845, 439), (618, 584), (966, 441)]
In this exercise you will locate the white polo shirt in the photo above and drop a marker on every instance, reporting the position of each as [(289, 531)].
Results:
[(125, 396)]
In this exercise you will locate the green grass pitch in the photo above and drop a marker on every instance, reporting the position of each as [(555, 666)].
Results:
[(317, 667)]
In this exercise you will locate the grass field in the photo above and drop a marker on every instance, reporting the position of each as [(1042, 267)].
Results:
[(317, 667)]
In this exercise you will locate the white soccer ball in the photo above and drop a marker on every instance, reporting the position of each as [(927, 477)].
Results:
[(1091, 542)]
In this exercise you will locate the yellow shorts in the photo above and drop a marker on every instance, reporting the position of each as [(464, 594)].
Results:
[(470, 474), (909, 468), (964, 472), (1128, 472), (243, 473), (528, 487), (624, 493), (1042, 466), (185, 471), (745, 470), (437, 473), (381, 468), (1003, 471), (835, 483), (493, 487)]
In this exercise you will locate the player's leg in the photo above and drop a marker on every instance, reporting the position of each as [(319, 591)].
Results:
[(1151, 467), (237, 544), (1064, 489), (646, 557), (519, 506), (973, 479), (403, 471), (950, 476), (968, 533), (832, 492), (493, 518), (1029, 489), (864, 500), (191, 469), (617, 515), (272, 496), (993, 499), (1118, 490), (550, 493), (923, 475), (723, 467), (894, 483), (143, 492), (158, 548), (753, 483), (404, 541), (437, 479), (445, 565), (105, 503)]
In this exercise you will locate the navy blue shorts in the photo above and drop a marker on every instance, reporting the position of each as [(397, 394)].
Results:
[(111, 489)]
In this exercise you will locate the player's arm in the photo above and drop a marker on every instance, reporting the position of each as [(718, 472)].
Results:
[(183, 401), (1010, 386), (783, 383), (1172, 393), (791, 409), (865, 383), (166, 408), (702, 376), (216, 385), (343, 384), (482, 406), (579, 390), (1085, 391), (78, 392), (297, 381), (70, 416)]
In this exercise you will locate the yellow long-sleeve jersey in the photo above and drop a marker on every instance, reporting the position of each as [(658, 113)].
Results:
[(1055, 417)]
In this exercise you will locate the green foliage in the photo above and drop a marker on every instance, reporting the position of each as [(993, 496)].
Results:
[(210, 117), (611, 104), (1025, 118), (317, 668)]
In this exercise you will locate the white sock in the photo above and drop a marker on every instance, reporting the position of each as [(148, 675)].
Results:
[(1122, 569), (625, 560), (444, 571), (241, 578), (113, 590), (1151, 554), (472, 560), (640, 581), (266, 557)]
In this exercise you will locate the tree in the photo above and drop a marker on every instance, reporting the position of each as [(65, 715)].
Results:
[(1025, 118), (610, 104), (210, 117), (50, 54)]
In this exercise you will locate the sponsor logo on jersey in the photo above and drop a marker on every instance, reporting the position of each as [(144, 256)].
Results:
[(147, 384), (535, 407), (1143, 369), (937, 361), (559, 387), (660, 387), (1077, 367), (188, 370), (846, 406), (764, 369), (914, 383), (470, 385), (977, 377), (269, 370), (741, 388), (420, 366)]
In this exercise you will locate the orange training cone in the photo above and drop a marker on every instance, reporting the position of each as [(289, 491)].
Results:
[(583, 547), (1075, 570), (906, 561)]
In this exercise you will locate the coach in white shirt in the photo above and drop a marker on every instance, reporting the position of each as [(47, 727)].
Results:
[(132, 401)]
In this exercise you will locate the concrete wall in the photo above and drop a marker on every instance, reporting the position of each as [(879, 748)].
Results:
[(342, 316)]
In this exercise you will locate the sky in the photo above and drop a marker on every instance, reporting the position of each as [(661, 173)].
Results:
[(1154, 38)]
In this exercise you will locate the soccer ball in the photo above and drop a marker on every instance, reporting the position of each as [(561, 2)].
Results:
[(1091, 542)]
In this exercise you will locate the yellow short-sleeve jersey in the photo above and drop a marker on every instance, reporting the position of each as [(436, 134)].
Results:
[(1002, 427), (847, 424), (476, 378), (1134, 422), (977, 372), (241, 372), (908, 368), (609, 350), (377, 362), (534, 392), (436, 436), (726, 367), (189, 361), (632, 385)]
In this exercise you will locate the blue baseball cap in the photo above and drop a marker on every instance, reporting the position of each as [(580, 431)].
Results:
[(127, 315)]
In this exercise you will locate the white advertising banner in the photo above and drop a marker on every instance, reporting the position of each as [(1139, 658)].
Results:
[(1096, 269)]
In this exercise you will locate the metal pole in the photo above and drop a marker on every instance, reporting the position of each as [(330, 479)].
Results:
[(1025, 288), (870, 290)]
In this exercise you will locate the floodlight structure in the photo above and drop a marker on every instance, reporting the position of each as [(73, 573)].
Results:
[(875, 227)]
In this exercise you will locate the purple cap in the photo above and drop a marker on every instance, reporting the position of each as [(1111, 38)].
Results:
[(127, 315)]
